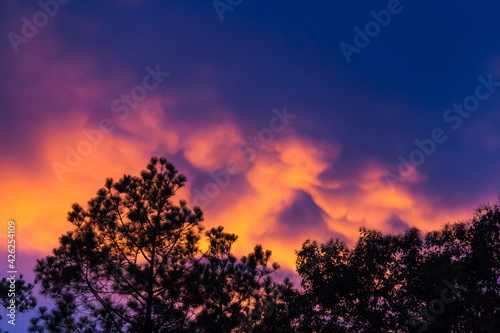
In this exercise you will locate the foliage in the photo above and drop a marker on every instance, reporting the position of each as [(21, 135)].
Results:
[(445, 281), (133, 263), (23, 298)]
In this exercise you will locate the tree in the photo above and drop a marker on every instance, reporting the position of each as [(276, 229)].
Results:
[(279, 310), (17, 290), (133, 263), (61, 319), (444, 281), (229, 289)]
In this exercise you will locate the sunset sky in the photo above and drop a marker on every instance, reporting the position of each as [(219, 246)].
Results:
[(287, 121)]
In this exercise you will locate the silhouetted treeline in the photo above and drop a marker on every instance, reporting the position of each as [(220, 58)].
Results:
[(134, 262)]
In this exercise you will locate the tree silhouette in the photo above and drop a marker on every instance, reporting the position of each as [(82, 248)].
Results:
[(133, 263), (22, 294), (230, 289), (61, 319), (279, 310), (445, 281)]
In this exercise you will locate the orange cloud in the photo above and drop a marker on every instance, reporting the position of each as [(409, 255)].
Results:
[(251, 205)]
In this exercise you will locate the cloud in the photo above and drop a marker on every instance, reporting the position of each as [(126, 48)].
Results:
[(288, 193), (295, 187)]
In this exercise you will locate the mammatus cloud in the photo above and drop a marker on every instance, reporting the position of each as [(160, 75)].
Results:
[(292, 169), (253, 202)]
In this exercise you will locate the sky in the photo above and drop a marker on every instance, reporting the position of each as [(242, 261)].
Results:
[(291, 120)]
